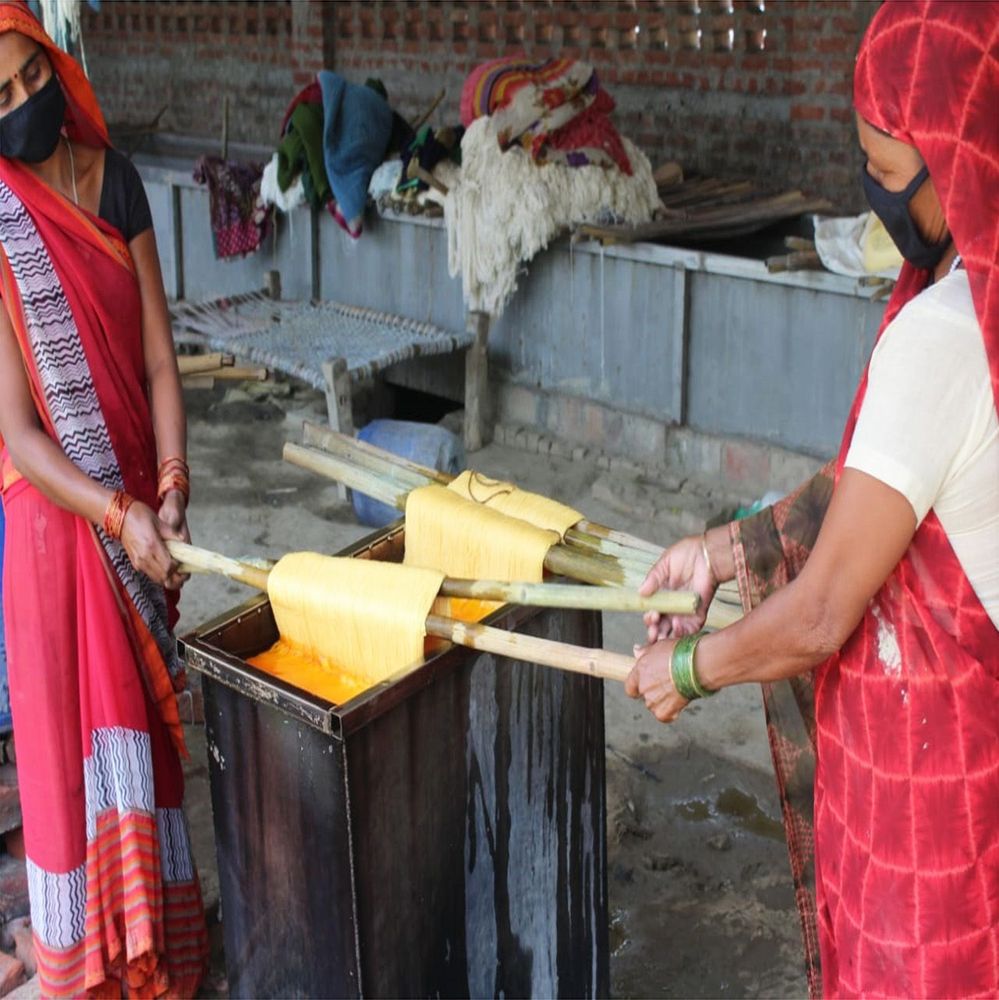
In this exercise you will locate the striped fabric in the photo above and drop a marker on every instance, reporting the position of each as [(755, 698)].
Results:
[(93, 669)]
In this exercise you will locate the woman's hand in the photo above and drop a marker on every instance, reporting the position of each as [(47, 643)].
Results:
[(173, 513), (651, 680), (143, 534), (680, 567)]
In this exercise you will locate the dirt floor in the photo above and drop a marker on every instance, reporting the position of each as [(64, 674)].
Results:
[(700, 893)]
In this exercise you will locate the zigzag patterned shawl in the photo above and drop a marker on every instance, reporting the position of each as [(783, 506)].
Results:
[(93, 669)]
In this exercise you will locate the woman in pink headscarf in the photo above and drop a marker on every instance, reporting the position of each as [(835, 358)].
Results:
[(90, 406), (875, 588)]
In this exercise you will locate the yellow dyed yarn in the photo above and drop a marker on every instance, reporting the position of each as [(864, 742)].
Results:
[(460, 538), (541, 511), (359, 619)]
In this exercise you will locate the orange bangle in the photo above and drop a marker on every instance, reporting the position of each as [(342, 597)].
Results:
[(114, 514), (173, 481), (173, 474)]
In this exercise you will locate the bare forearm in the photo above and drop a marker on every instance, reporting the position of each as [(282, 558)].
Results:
[(786, 635), (44, 464), (167, 407)]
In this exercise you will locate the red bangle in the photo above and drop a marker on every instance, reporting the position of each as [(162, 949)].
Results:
[(114, 514), (173, 474)]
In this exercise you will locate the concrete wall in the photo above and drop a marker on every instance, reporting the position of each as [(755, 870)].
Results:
[(629, 341), (757, 88)]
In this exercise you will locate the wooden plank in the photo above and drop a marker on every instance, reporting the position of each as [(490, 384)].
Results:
[(477, 382), (339, 404)]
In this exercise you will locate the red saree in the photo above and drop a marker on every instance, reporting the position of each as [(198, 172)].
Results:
[(115, 900), (904, 722)]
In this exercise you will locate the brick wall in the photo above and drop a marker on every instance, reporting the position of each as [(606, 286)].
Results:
[(757, 88)]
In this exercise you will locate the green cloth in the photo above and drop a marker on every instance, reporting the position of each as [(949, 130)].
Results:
[(301, 151)]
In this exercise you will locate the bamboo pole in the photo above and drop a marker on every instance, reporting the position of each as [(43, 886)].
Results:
[(195, 364), (378, 460), (541, 595), (314, 436), (595, 568), (639, 562), (193, 559), (565, 595), (578, 659)]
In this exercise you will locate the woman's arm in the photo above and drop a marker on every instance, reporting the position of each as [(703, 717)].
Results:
[(44, 464), (763, 552), (162, 375), (865, 532)]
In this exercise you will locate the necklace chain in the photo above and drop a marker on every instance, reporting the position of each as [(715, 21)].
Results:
[(72, 170)]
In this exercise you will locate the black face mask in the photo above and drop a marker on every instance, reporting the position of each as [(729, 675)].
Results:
[(31, 132), (892, 208)]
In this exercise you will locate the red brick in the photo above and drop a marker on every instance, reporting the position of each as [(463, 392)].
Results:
[(804, 112)]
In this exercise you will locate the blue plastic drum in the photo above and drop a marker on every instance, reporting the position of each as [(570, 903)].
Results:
[(426, 444)]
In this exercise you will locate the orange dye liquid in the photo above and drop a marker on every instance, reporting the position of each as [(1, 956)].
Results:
[(289, 663)]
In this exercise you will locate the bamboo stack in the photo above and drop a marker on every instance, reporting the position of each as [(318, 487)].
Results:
[(591, 552)]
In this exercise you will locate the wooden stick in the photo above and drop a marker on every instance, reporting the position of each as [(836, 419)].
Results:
[(194, 364), (197, 560), (378, 460), (414, 170), (541, 595), (236, 374), (562, 595), (639, 562), (578, 659), (368, 455), (621, 537), (588, 567), (418, 123)]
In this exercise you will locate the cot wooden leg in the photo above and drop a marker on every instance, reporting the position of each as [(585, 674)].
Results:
[(338, 402), (477, 382)]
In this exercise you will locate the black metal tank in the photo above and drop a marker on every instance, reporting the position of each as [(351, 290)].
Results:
[(442, 834)]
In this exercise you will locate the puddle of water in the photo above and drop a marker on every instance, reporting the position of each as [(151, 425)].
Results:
[(747, 814), (736, 805), (693, 810)]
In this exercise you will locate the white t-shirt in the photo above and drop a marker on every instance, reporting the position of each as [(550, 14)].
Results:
[(928, 426)]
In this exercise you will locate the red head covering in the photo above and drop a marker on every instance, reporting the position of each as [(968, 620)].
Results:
[(84, 121), (928, 74)]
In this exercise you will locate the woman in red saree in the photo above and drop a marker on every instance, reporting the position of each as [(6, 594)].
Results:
[(89, 403), (872, 591)]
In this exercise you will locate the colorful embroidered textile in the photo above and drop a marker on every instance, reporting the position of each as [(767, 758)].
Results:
[(240, 221), (907, 776), (556, 110), (115, 901)]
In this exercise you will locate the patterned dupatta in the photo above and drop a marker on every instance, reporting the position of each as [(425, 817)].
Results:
[(897, 869), (115, 900), (61, 354)]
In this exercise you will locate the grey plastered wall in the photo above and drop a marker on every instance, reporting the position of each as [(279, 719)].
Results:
[(679, 336)]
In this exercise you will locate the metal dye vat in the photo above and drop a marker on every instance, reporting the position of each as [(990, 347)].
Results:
[(441, 834)]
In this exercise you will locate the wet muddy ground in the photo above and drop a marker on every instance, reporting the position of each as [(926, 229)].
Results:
[(700, 892)]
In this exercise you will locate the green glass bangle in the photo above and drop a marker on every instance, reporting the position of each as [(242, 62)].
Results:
[(681, 668)]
